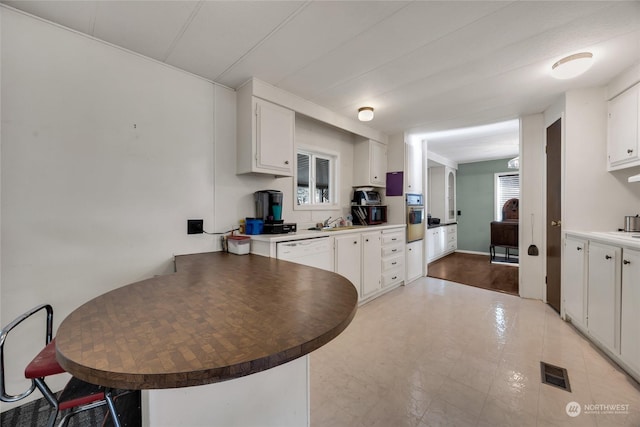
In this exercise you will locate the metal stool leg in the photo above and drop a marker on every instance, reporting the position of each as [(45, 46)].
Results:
[(50, 397), (112, 407)]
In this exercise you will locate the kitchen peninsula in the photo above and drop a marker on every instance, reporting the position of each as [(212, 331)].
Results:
[(219, 317)]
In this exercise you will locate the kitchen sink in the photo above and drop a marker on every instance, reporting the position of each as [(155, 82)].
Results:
[(346, 227)]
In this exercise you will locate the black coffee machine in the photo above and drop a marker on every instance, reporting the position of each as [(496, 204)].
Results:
[(269, 210)]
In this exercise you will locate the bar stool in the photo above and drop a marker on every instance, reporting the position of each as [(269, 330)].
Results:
[(77, 395)]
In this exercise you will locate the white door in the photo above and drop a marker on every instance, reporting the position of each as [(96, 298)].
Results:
[(275, 127), (623, 127), (413, 164), (414, 260), (348, 258), (630, 324), (573, 291), (371, 262), (378, 163), (604, 279)]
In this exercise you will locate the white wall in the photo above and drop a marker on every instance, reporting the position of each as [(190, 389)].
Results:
[(532, 211), (105, 155), (594, 199)]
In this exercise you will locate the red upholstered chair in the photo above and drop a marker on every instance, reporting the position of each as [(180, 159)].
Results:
[(78, 396)]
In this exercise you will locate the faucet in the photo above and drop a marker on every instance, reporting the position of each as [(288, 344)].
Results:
[(327, 223)]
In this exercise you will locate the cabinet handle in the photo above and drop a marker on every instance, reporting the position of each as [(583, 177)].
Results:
[(286, 162), (626, 262), (355, 242), (375, 177), (394, 263), (393, 250), (556, 223), (629, 150), (366, 240), (607, 257), (394, 239), (394, 277), (579, 248)]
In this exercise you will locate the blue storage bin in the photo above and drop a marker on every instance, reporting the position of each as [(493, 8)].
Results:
[(253, 226)]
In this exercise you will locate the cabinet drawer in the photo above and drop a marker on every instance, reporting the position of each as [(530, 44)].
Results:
[(451, 238), (392, 262), (451, 246), (392, 238), (390, 250), (451, 229), (392, 277)]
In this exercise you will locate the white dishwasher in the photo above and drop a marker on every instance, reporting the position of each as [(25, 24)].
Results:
[(316, 252)]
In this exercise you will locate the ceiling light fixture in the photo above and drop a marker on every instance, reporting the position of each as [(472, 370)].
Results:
[(572, 65), (365, 114)]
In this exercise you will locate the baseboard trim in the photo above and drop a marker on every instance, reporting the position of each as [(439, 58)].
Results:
[(473, 252)]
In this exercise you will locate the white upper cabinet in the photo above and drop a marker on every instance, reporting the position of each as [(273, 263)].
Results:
[(265, 139), (442, 183), (413, 167), (622, 129), (370, 164), (274, 134)]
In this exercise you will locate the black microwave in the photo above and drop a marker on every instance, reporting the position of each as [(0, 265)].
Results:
[(369, 215)]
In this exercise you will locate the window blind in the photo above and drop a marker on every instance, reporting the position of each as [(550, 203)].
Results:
[(507, 187)]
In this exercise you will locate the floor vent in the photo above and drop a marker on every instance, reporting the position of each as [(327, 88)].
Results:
[(555, 376)]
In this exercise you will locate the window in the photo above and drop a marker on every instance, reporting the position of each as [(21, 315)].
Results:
[(507, 186), (316, 179)]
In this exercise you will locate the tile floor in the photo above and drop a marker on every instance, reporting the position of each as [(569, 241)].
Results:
[(437, 353)]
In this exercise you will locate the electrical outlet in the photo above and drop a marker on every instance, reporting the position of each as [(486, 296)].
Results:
[(195, 226)]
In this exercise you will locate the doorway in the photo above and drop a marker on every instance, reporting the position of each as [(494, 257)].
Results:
[(554, 210)]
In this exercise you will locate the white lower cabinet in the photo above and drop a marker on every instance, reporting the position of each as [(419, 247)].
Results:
[(374, 261), (451, 238), (604, 293), (441, 241), (601, 295), (414, 260), (630, 310), (574, 286), (348, 259), (393, 257), (371, 263)]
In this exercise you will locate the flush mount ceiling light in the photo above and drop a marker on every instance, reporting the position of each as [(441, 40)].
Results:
[(365, 114), (572, 65)]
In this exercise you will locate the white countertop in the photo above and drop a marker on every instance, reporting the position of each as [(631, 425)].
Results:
[(311, 234), (619, 238)]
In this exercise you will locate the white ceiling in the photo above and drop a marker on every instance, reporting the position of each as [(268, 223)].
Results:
[(425, 66)]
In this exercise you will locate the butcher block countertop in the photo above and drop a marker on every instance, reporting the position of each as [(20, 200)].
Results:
[(219, 317)]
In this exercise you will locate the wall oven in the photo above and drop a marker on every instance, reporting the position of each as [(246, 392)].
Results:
[(415, 217)]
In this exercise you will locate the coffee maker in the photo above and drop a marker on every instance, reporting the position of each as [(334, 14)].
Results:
[(269, 210)]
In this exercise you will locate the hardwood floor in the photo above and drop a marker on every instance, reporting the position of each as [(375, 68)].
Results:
[(476, 270)]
